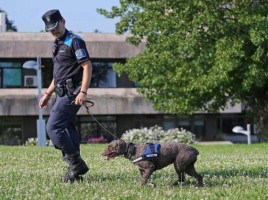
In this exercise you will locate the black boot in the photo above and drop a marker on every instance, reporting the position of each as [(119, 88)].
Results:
[(77, 167)]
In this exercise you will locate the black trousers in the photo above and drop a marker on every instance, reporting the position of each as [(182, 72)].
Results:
[(61, 125)]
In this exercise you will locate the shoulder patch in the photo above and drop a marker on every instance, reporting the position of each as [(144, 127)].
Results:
[(80, 53)]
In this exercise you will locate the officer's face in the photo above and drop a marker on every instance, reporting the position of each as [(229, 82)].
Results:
[(59, 30)]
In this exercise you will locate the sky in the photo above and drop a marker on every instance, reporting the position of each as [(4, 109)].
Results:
[(80, 15)]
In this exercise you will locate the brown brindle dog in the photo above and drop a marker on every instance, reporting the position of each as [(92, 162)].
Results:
[(181, 155)]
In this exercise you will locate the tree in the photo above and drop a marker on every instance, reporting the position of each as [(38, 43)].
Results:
[(199, 54), (9, 23), (97, 31)]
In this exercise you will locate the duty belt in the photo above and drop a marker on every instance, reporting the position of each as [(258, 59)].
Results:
[(68, 87)]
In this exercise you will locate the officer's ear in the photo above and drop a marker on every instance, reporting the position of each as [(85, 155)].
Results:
[(62, 21)]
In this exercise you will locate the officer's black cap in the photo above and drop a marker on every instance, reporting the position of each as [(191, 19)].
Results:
[(51, 19)]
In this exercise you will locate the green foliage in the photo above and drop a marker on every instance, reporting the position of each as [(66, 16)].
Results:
[(156, 134), (230, 172), (31, 142), (199, 55), (178, 135), (10, 136), (9, 23)]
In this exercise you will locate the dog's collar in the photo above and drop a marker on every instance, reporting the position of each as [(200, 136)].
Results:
[(130, 150)]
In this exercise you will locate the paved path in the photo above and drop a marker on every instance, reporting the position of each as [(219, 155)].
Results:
[(215, 143)]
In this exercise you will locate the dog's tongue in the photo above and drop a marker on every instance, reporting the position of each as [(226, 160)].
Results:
[(108, 156)]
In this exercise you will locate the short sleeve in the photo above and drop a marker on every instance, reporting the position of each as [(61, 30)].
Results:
[(80, 50)]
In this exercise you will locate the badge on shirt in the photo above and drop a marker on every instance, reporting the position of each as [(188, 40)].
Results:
[(80, 53)]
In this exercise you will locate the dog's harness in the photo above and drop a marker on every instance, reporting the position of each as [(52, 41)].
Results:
[(130, 150), (151, 152)]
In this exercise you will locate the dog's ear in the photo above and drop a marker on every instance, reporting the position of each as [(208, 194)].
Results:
[(121, 142), (122, 146)]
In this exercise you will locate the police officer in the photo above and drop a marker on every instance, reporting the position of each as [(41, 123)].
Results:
[(71, 77)]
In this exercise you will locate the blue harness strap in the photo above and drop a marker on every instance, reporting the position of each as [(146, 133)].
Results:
[(151, 149), (151, 153)]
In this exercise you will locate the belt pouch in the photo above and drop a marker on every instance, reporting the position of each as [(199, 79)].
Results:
[(59, 90)]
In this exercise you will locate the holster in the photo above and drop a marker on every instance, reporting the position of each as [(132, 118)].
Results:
[(59, 90), (69, 88)]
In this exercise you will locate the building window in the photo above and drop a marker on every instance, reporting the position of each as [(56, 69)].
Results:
[(10, 74), (90, 128), (199, 128), (10, 131), (169, 122), (227, 123), (103, 75), (196, 126), (185, 124), (1, 83)]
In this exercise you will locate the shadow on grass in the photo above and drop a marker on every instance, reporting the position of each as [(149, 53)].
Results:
[(254, 173), (218, 177), (157, 179), (212, 177), (102, 177)]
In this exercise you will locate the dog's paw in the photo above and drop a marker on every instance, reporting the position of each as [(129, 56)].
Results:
[(175, 184), (199, 185)]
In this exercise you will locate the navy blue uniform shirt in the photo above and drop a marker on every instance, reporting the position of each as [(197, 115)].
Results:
[(68, 53)]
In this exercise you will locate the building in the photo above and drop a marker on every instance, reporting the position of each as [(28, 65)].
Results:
[(118, 106)]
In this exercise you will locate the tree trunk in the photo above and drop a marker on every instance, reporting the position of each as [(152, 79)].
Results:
[(262, 126)]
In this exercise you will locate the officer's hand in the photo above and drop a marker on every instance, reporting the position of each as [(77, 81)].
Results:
[(43, 101), (80, 98)]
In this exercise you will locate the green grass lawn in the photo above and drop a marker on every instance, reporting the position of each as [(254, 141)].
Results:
[(230, 172)]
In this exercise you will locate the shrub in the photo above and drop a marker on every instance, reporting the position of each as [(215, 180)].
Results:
[(10, 136), (34, 142), (178, 135), (156, 134), (31, 142)]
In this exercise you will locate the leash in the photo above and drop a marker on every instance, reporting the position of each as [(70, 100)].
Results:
[(89, 113)]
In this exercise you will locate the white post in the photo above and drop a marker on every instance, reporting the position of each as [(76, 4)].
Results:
[(3, 26), (41, 132), (248, 133)]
